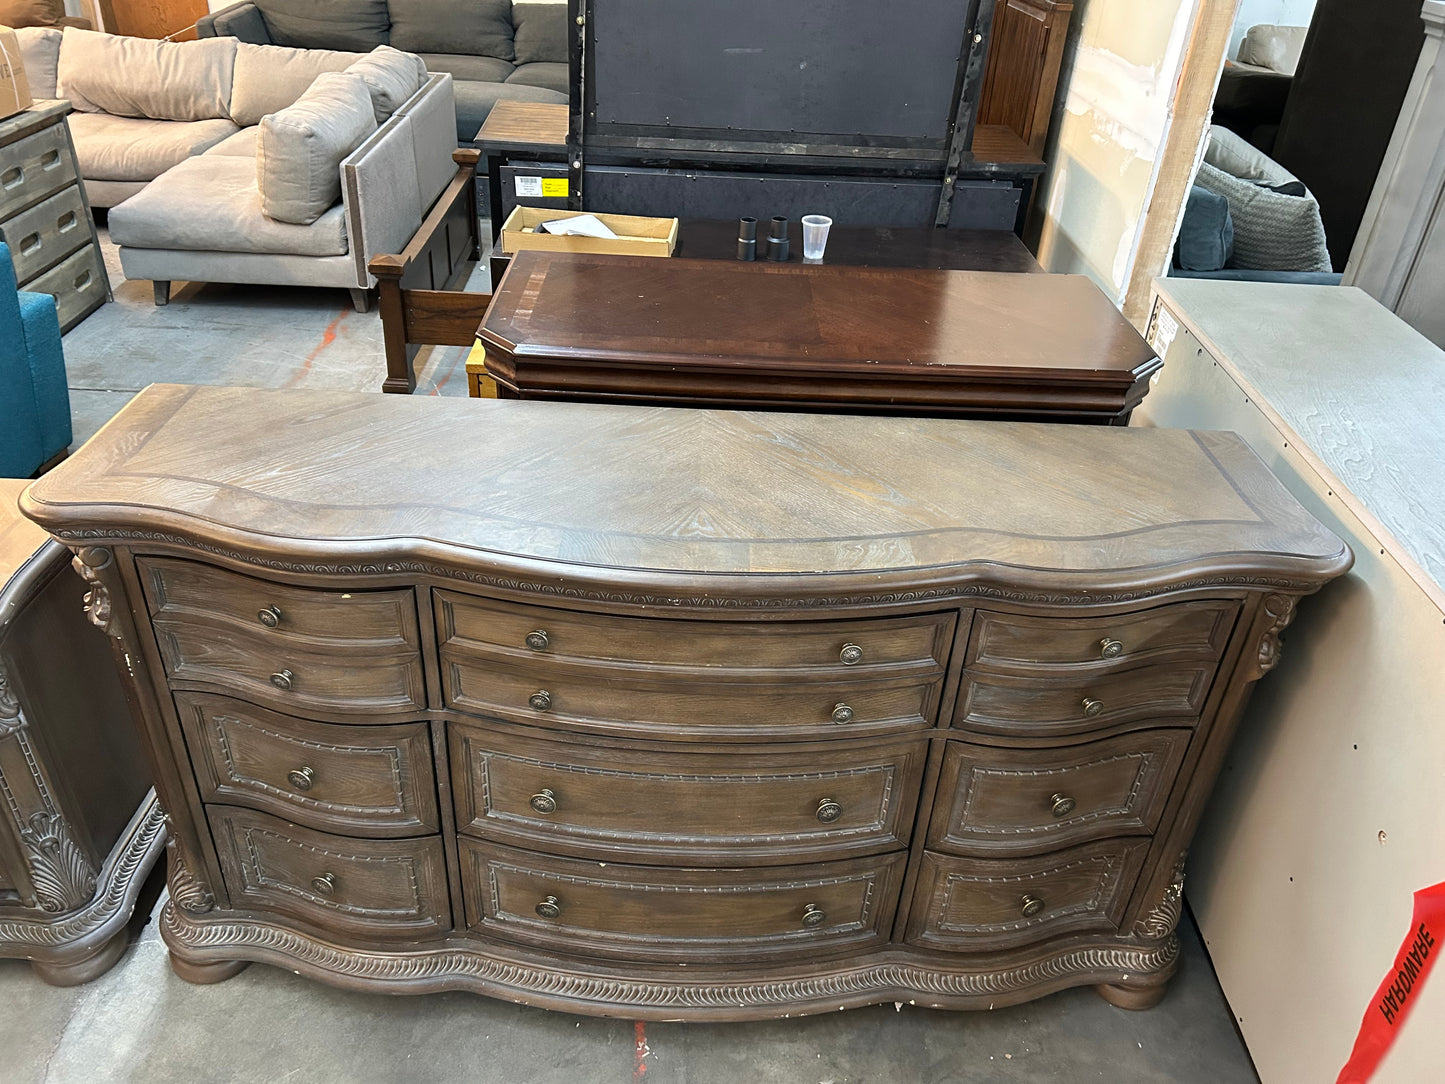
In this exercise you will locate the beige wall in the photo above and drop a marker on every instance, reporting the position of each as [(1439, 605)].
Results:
[(1115, 106)]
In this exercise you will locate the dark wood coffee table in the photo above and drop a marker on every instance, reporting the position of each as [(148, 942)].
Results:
[(785, 336)]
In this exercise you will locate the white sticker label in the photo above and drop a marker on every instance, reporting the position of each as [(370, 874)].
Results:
[(529, 187), (1165, 328)]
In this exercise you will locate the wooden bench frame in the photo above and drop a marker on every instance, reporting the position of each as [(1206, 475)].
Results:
[(416, 308)]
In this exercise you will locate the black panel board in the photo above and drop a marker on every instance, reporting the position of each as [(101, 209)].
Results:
[(851, 201), (863, 68)]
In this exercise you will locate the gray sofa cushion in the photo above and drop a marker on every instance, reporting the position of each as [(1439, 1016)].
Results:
[(540, 33), (212, 204), (475, 100), (40, 53), (271, 77), (334, 24), (137, 77), (137, 149), (478, 27), (1206, 233), (391, 77), (550, 76), (301, 147), (487, 69), (242, 144)]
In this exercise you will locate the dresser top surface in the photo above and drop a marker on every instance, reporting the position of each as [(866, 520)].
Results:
[(20, 539), (357, 476)]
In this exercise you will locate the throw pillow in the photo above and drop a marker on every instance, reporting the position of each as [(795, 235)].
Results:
[(1206, 234), (541, 33), (358, 25), (1272, 232), (476, 27), (391, 76), (18, 13), (299, 150)]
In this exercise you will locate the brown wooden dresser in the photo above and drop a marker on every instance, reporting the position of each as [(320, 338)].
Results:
[(79, 828), (679, 714)]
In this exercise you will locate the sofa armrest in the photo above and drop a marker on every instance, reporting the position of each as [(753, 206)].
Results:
[(241, 21), (390, 182)]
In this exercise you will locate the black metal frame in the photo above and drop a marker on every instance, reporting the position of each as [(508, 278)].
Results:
[(795, 153)]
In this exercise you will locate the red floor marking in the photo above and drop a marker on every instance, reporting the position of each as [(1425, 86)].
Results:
[(327, 338), (640, 1050)]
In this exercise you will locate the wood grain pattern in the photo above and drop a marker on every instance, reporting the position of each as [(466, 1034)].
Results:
[(1025, 52), (524, 126)]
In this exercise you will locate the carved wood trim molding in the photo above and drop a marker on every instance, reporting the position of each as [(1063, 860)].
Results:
[(186, 889), (1161, 921), (91, 562)]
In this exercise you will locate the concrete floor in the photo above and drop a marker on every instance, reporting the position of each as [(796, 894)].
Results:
[(140, 1022)]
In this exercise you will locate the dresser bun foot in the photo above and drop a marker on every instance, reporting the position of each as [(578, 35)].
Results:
[(75, 972), (1131, 997), (209, 973)]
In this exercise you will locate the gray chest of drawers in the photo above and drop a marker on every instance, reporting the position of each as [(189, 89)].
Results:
[(44, 215)]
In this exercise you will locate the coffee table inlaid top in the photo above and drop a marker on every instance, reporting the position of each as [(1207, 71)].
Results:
[(734, 316)]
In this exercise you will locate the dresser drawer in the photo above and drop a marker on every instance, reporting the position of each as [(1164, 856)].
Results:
[(624, 701), (993, 799), (355, 780), (972, 904), (1012, 642), (77, 283), (46, 233), (34, 167), (630, 803), (1044, 707), (346, 619), (296, 649), (653, 913), (886, 644), (391, 889)]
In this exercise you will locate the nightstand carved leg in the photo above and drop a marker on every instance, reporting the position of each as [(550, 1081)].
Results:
[(1131, 997), (76, 972), (209, 973)]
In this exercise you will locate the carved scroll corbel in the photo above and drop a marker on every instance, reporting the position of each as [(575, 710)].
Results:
[(186, 891), (1161, 921), (91, 563), (11, 717), (1278, 611)]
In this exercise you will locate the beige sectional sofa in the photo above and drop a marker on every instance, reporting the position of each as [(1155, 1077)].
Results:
[(167, 135)]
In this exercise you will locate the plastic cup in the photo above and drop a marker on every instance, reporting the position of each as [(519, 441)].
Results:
[(815, 235)]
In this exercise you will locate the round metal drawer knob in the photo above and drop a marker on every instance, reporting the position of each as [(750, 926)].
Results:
[(550, 907), (270, 617), (544, 801), (1061, 805), (1110, 648), (283, 679), (1032, 905), (325, 884), (537, 640), (829, 811), (541, 700), (1092, 707), (851, 654), (302, 778), (842, 713), (813, 915)]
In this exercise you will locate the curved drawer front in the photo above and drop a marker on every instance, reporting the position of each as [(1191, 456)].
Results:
[(993, 799), (622, 701), (880, 644), (690, 807), (348, 620), (1044, 707), (968, 904), (651, 913), (394, 889), (357, 780), (1019, 642), (295, 679)]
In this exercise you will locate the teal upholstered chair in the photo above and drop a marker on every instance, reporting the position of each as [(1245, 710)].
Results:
[(34, 401)]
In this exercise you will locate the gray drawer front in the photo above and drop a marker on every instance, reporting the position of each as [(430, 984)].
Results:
[(77, 284), (48, 232), (34, 167)]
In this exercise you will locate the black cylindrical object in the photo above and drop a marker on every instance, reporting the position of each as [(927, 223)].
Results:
[(778, 238), (747, 239)]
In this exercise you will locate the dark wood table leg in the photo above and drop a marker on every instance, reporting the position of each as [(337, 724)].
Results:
[(494, 192)]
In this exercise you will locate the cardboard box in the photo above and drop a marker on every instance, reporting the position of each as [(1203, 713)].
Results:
[(636, 236), (14, 87)]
